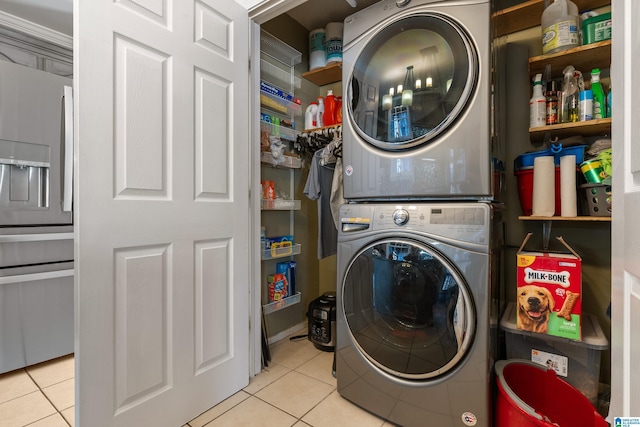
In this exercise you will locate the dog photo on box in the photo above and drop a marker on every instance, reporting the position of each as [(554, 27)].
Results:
[(548, 298)]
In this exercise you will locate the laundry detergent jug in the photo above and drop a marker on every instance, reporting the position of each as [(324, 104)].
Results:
[(560, 23)]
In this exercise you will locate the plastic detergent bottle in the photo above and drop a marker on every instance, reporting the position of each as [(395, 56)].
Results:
[(310, 116), (569, 108), (560, 22), (599, 111), (320, 112), (329, 117), (537, 104)]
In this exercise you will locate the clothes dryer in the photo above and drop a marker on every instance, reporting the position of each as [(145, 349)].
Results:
[(417, 103), (415, 285)]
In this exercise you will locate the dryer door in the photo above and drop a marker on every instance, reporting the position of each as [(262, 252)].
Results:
[(411, 81), (408, 310)]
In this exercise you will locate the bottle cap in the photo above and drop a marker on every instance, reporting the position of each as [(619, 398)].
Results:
[(586, 94)]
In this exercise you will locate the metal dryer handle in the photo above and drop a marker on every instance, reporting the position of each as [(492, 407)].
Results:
[(67, 157)]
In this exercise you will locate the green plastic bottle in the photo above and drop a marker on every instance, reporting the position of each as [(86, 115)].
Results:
[(599, 107)]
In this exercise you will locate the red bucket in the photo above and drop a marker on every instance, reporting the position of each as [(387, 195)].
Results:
[(531, 396), (525, 190)]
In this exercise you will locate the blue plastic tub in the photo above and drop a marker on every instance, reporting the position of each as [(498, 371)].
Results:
[(556, 150)]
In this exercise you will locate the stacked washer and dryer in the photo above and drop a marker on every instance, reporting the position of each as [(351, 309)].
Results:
[(419, 238)]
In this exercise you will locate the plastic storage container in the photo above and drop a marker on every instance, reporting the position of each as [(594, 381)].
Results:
[(524, 178), (598, 199), (530, 395), (596, 28), (556, 150), (580, 361)]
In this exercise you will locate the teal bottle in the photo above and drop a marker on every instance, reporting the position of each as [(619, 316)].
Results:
[(599, 107)]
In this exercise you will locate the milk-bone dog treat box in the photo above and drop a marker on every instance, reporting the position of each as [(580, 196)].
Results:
[(549, 294)]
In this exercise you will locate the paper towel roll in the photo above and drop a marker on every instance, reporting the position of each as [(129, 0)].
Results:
[(334, 41), (544, 191), (568, 199)]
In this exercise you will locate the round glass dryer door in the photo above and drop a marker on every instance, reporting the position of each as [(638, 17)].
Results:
[(411, 81), (408, 310)]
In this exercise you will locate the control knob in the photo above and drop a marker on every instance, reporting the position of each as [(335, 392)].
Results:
[(400, 216)]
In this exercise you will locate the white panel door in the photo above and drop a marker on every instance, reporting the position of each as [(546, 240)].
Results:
[(162, 209), (625, 263)]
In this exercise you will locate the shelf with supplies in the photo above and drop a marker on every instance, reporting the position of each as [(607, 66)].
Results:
[(562, 130), (527, 15), (566, 218), (281, 251), (283, 303), (332, 73), (284, 132), (583, 58), (280, 205), (285, 162)]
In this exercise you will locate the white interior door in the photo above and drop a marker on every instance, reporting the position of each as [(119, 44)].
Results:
[(161, 213), (625, 263)]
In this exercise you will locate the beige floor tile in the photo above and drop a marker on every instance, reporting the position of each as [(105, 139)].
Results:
[(54, 420), (266, 377), (335, 411), (15, 384), (69, 414), (295, 393), (219, 409), (320, 368), (25, 410), (253, 412), (61, 394), (52, 371), (293, 354)]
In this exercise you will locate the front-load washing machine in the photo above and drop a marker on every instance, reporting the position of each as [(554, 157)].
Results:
[(415, 284), (417, 100)]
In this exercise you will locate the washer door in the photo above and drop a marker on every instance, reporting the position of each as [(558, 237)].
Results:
[(408, 310), (412, 81)]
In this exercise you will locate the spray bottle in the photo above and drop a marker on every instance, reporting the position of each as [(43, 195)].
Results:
[(569, 110), (537, 104), (609, 101), (599, 108)]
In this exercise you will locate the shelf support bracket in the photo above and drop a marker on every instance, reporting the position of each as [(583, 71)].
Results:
[(546, 234)]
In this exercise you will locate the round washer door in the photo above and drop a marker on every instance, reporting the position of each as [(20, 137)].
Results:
[(408, 310), (411, 81)]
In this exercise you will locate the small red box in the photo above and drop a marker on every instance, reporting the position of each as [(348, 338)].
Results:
[(549, 295)]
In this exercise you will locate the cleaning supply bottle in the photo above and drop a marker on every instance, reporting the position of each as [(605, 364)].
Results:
[(586, 105), (320, 113), (329, 109), (569, 110), (599, 107), (537, 104), (560, 22), (551, 98), (338, 109), (310, 116)]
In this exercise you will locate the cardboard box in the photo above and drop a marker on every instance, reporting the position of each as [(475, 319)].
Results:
[(549, 295)]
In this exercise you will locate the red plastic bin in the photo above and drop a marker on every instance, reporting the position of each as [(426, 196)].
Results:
[(524, 178), (531, 396)]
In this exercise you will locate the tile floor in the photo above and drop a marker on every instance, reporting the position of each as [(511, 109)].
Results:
[(42, 395)]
